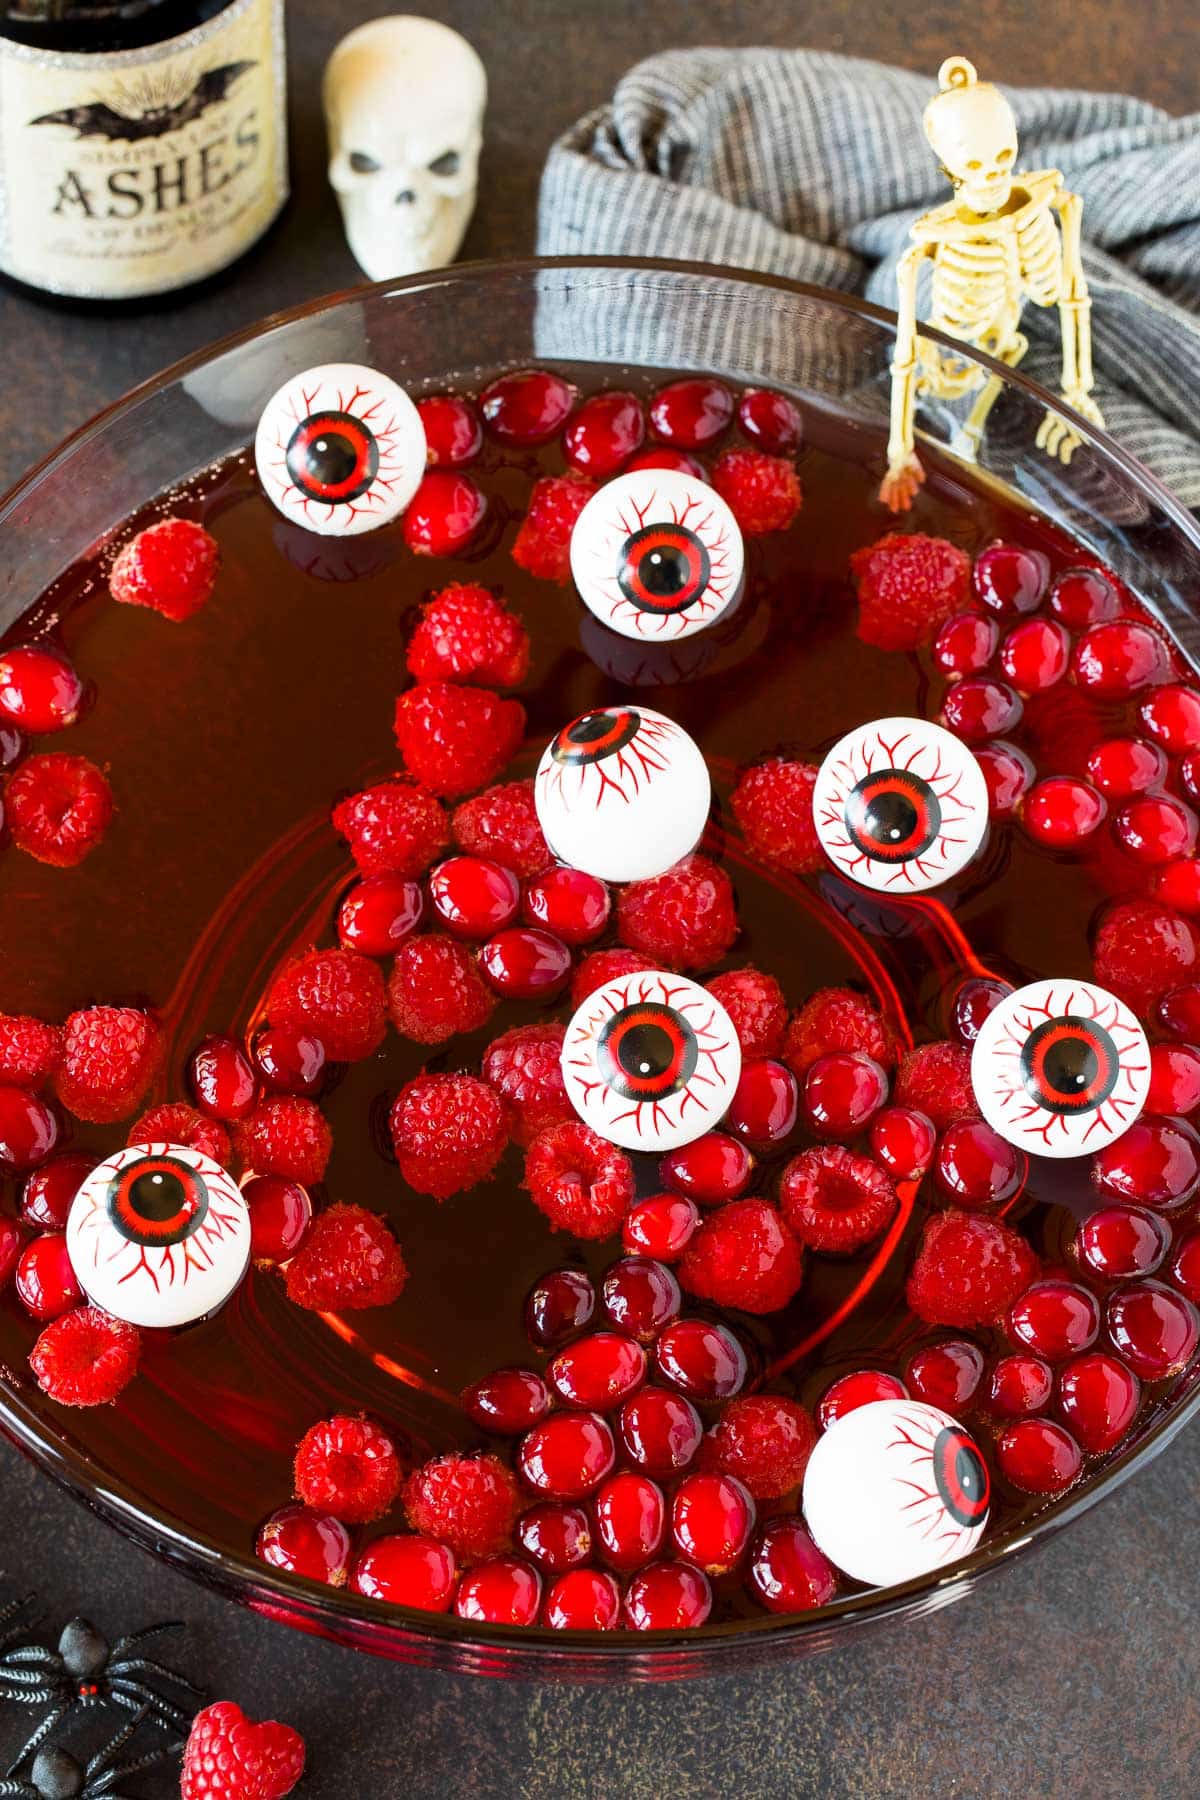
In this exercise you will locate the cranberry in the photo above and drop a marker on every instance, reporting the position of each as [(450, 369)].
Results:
[(691, 413), (765, 1103), (1084, 597), (1174, 1079), (222, 1080), (10, 1248), (308, 1543), (1154, 1328), (1055, 1319), (47, 1194), (1119, 658), (1178, 884), (641, 1297), (1063, 812), (946, 1375), (902, 1139), (573, 905), (630, 1516), (786, 1572), (290, 1061), (473, 898), (39, 690), (661, 456), (557, 1537), (842, 1093), (12, 746), (1123, 766), (529, 406), (1185, 1267), (604, 433), (668, 1596), (505, 1590), (1179, 1011), (661, 1431), (860, 1388), (1020, 1385), (598, 1372), (1189, 769), (407, 1571), (1035, 655), (378, 914), (1038, 1456), (712, 1519), (662, 1226), (28, 1130), (1117, 1242), (1155, 829), (583, 1600), (965, 644), (1009, 775), (46, 1283), (280, 1215), (526, 963), (444, 514), (1099, 1397), (1172, 717), (710, 1170), (703, 1360), (1010, 578), (976, 1167), (979, 708), (975, 1002), (453, 434), (567, 1455), (559, 1305), (1156, 1162), (508, 1401)]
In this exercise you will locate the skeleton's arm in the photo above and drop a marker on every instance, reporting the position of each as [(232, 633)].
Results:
[(904, 472), (1075, 309)]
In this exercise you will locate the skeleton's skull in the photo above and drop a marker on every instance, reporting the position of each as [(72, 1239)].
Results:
[(974, 135), (404, 100)]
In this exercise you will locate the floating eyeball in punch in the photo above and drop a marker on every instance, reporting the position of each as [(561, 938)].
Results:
[(622, 793), (159, 1235), (340, 449), (895, 1489), (1060, 1068), (651, 1061), (900, 805), (657, 555)]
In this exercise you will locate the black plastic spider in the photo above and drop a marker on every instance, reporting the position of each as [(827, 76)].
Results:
[(56, 1775)]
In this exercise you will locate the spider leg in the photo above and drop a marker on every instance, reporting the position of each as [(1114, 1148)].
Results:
[(28, 1687), (139, 1637), (143, 1665), (133, 1694), (18, 1790), (38, 1738), (35, 1655)]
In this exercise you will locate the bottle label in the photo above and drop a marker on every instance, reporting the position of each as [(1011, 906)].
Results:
[(137, 171)]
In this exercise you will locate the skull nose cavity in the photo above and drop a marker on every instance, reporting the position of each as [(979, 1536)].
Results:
[(406, 197)]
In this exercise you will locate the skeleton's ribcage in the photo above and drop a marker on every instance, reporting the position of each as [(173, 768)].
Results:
[(978, 287), (1040, 251)]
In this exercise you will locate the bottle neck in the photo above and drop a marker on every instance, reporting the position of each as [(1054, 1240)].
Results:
[(97, 25)]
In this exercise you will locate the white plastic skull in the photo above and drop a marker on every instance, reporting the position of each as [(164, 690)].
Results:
[(971, 128), (404, 100)]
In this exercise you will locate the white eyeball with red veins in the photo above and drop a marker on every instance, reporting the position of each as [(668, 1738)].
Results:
[(340, 449), (622, 793), (895, 1489), (657, 555), (900, 805), (159, 1235), (651, 1061), (1060, 1068)]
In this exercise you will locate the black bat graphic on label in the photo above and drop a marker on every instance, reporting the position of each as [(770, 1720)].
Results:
[(98, 119)]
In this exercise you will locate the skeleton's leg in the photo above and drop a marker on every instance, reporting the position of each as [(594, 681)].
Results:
[(969, 435), (904, 473)]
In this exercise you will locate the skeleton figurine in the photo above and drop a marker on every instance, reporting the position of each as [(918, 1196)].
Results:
[(404, 100), (993, 246)]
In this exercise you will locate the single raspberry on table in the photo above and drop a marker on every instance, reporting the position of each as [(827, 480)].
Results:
[(756, 1005), (772, 804), (466, 634), (682, 919), (58, 808), (170, 567), (762, 492), (968, 1269), (836, 1200), (501, 825), (449, 1132), (435, 990), (347, 1467), (337, 995), (468, 1502), (766, 1441), (542, 546), (30, 1050), (908, 584), (179, 1123), (743, 1255), (583, 1184), (837, 1018), (1142, 949), (110, 1056), (524, 1067), (602, 966), (395, 827), (455, 739), (285, 1135), (349, 1261), (85, 1357), (229, 1757), (936, 1079)]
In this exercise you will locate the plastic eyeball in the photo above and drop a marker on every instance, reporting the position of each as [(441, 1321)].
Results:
[(895, 1489), (900, 805), (159, 1235), (622, 793), (651, 1061), (340, 449), (1060, 1068), (657, 555)]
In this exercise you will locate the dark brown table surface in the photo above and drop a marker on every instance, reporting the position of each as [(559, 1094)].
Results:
[(1076, 1672)]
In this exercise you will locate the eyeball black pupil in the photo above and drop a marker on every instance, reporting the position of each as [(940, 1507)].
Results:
[(156, 1196), (960, 1476), (590, 727), (663, 568), (159, 1203), (332, 457), (595, 735), (663, 572), (891, 818), (1071, 1066), (967, 1471), (646, 1051)]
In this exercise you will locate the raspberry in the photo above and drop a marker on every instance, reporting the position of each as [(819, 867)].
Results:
[(30, 1051), (525, 1069), (435, 990), (170, 567), (287, 1136), (837, 1018), (179, 1123), (936, 1079), (1142, 949), (338, 995), (772, 804), (766, 1442), (348, 1262), (228, 1757), (466, 634), (449, 1132), (456, 739), (542, 546), (762, 492), (836, 1200), (393, 828), (683, 919), (908, 585), (110, 1056), (582, 1184), (58, 807), (743, 1255), (347, 1467), (502, 825), (85, 1357), (968, 1269), (756, 1005), (601, 967), (468, 1502)]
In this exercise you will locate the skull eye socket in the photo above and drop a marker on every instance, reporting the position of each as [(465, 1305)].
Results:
[(362, 164), (1006, 156), (448, 163), (159, 1200)]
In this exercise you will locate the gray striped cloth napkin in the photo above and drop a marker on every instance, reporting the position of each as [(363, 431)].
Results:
[(813, 166)]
